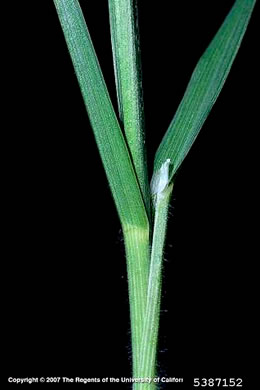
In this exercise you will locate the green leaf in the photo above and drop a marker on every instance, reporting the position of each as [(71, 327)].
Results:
[(116, 160), (111, 144), (127, 66), (204, 87)]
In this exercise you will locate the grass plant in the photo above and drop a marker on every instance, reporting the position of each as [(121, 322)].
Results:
[(120, 139)]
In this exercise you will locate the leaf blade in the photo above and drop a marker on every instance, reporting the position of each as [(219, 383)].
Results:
[(204, 87), (112, 147)]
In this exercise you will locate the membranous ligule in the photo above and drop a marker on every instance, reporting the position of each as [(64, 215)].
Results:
[(160, 180)]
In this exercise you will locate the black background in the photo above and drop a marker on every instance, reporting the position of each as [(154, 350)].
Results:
[(67, 304)]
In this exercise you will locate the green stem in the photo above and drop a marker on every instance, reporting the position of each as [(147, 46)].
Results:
[(138, 257), (152, 313), (127, 66)]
